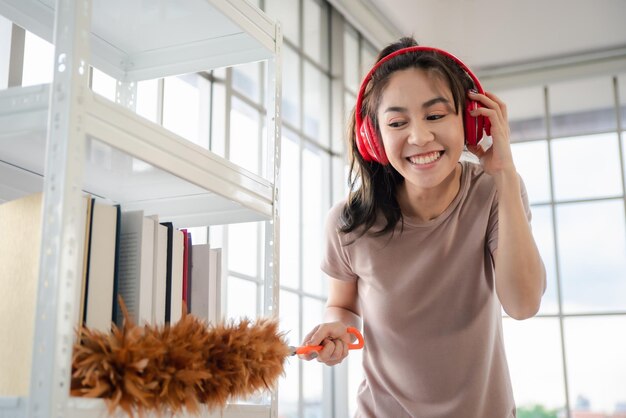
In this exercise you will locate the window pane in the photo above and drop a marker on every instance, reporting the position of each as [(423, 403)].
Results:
[(183, 100), (247, 80), (147, 99), (526, 112), (288, 389), (351, 74), (316, 104), (531, 161), (368, 58), (290, 211), (621, 84), (245, 135), (355, 377), (291, 87), (315, 171), (595, 364), (312, 371), (218, 119), (582, 107), (544, 237), (288, 14), (316, 31), (103, 84), (533, 350), (592, 255), (289, 317), (38, 61), (586, 167), (243, 248), (241, 298)]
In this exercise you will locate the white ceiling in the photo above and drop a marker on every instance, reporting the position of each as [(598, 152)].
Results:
[(496, 33)]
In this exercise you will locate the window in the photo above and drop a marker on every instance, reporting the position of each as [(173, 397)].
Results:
[(567, 149)]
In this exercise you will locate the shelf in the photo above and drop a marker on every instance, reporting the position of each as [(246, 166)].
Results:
[(188, 184), (81, 407), (145, 39)]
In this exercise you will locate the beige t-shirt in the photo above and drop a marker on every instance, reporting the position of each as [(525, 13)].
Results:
[(432, 322)]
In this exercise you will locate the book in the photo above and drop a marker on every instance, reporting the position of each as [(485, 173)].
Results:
[(176, 294), (206, 283), (186, 259), (168, 270), (101, 271), (20, 241), (159, 286), (83, 257), (136, 266)]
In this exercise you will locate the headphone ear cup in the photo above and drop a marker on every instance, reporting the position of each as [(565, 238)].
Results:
[(369, 144), (474, 125)]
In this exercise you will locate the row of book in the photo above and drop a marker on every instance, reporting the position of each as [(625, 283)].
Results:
[(151, 264), (154, 267)]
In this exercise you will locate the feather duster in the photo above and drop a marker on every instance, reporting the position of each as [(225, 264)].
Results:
[(170, 368)]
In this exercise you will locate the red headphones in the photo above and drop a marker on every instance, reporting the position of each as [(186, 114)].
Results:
[(370, 146)]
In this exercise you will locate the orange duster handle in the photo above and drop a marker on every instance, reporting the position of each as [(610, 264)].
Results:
[(351, 330)]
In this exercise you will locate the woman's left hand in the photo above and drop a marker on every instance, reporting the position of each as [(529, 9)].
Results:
[(498, 158)]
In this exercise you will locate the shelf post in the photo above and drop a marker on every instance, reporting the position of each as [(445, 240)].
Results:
[(59, 272)]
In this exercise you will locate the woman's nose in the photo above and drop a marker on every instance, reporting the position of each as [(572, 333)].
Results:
[(420, 135)]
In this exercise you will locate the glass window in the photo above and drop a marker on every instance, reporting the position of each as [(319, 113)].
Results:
[(290, 211), (592, 256), (351, 74), (288, 384), (247, 80), (288, 14), (580, 172), (526, 112), (595, 363), (38, 61), (243, 248), (533, 350), (314, 206), (355, 377), (103, 84), (582, 107), (544, 237), (316, 32), (312, 373), (241, 298), (245, 136), (218, 119), (289, 389), (316, 104), (621, 85), (291, 87), (368, 58), (531, 161), (183, 98), (148, 99)]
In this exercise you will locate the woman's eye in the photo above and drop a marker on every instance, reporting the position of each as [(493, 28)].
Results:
[(434, 117), (395, 124)]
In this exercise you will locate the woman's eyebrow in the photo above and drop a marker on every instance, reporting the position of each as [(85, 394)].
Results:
[(426, 104), (438, 99)]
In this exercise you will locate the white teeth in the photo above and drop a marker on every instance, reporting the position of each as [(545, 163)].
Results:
[(425, 158)]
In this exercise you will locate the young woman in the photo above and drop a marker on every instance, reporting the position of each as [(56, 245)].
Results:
[(428, 248)]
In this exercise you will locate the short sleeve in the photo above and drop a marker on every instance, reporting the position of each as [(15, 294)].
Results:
[(492, 232), (335, 256)]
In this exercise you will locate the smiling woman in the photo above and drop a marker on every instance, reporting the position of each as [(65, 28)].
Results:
[(427, 248)]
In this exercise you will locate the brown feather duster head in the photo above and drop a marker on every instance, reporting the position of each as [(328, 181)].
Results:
[(168, 368)]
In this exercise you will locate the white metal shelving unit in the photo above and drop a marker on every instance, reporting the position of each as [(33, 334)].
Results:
[(62, 138)]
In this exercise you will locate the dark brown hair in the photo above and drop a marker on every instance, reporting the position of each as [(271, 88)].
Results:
[(372, 185)]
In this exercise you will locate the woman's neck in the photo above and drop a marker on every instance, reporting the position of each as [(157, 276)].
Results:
[(427, 204)]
